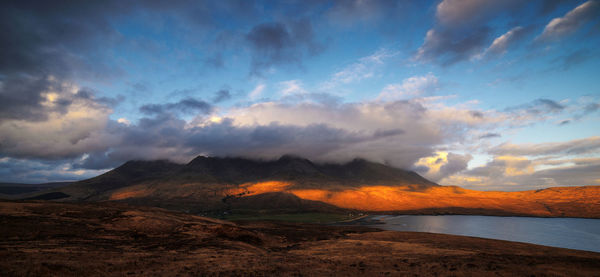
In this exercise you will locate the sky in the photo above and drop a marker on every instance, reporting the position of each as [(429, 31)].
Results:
[(486, 95)]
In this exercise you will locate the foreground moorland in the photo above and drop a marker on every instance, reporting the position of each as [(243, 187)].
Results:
[(108, 239)]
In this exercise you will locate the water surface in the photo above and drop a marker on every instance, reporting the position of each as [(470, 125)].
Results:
[(573, 233)]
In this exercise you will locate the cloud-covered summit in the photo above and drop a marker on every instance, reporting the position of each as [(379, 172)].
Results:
[(459, 90)]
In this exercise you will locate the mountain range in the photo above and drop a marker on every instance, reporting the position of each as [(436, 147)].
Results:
[(209, 185)]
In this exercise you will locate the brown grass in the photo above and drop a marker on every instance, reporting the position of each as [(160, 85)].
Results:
[(106, 239)]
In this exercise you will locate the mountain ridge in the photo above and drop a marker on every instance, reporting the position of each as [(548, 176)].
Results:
[(214, 183), (232, 184)]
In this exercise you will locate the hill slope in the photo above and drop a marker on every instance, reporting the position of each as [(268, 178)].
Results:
[(293, 184), (215, 184), (14, 190)]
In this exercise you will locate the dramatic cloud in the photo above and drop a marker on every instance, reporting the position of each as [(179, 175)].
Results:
[(50, 38), (377, 131), (22, 97), (537, 165), (520, 173), (47, 44), (399, 133), (465, 27), (67, 67), (73, 124), (462, 30), (43, 46), (574, 19), (276, 43), (442, 165), (430, 124)]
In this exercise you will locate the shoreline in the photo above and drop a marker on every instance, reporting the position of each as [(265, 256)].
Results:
[(578, 242)]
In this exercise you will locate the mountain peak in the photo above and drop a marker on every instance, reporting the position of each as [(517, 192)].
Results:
[(291, 157)]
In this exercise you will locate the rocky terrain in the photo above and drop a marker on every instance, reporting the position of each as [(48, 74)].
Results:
[(112, 239)]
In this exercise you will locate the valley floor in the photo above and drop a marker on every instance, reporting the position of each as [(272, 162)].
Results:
[(106, 239)]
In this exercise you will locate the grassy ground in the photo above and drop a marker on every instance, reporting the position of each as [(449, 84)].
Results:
[(292, 217), (105, 239)]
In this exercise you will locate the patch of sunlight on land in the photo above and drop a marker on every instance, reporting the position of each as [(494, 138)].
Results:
[(388, 198), (249, 189), (131, 192)]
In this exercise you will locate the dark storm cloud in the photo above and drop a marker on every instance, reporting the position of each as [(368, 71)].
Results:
[(184, 106), (167, 136), (45, 43), (42, 37), (277, 43), (21, 98), (271, 140), (221, 95)]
